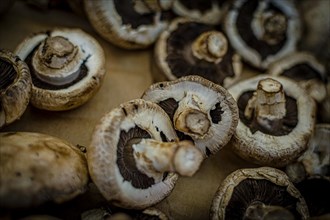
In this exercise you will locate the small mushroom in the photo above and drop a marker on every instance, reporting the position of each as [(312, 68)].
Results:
[(15, 87), (205, 11), (304, 68), (37, 168), (277, 119), (130, 24), (201, 111), (192, 48), (67, 67), (134, 153), (262, 31), (258, 193)]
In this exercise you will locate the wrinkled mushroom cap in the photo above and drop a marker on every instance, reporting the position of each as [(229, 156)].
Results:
[(268, 149), (111, 163), (36, 168), (265, 184), (75, 93), (15, 87), (215, 101)]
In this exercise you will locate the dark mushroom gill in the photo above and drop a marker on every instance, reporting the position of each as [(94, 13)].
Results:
[(8, 74), (182, 62), (302, 71), (280, 128), (249, 191)]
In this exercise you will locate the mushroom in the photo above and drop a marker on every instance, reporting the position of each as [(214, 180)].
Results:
[(205, 11), (192, 48), (304, 68), (258, 193), (15, 87), (134, 154), (67, 67), (277, 119), (200, 110), (36, 168), (262, 31), (130, 24)]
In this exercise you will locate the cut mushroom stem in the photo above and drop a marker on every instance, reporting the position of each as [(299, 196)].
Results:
[(267, 103), (210, 46), (258, 211), (190, 118), (153, 157)]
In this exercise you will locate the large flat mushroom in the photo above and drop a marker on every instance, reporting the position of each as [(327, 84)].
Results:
[(134, 154), (67, 67), (277, 119), (200, 110)]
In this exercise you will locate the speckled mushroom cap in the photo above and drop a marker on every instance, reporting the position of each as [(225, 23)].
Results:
[(262, 31), (205, 11), (15, 87), (216, 102), (67, 67), (126, 23), (267, 185), (110, 155), (36, 168), (175, 57), (284, 140), (304, 68)]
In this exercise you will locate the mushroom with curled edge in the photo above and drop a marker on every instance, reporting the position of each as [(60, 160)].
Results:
[(15, 87), (130, 24), (134, 155), (262, 31), (36, 168), (258, 193), (192, 48), (201, 111), (277, 119), (304, 68), (67, 67)]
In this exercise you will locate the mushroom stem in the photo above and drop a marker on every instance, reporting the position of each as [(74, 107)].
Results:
[(190, 117), (268, 103), (259, 211), (154, 157), (210, 46)]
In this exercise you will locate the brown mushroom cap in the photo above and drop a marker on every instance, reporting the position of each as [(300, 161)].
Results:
[(112, 166), (262, 31), (36, 168), (67, 67), (283, 142), (213, 100), (15, 87), (244, 187)]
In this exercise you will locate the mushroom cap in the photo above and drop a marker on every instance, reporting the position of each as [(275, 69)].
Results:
[(36, 168), (83, 87), (174, 56), (268, 149), (242, 28), (111, 163), (265, 184), (216, 102), (304, 68), (120, 22), (15, 87)]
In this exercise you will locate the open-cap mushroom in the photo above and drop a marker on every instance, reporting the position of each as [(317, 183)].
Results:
[(262, 31), (67, 67), (15, 87), (304, 68), (258, 193), (277, 119), (200, 110), (205, 11), (135, 153), (131, 24), (191, 48), (37, 168)]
